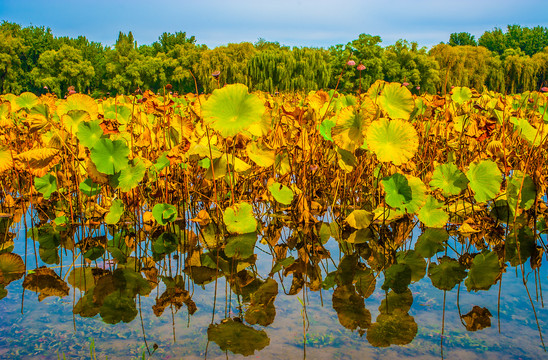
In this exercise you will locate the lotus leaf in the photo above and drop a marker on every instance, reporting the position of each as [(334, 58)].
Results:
[(535, 136), (165, 243), (431, 214), (241, 339), (89, 133), (397, 277), (325, 129), (361, 236), (46, 185), (129, 177), (415, 261), (118, 307), (398, 191), (485, 179), (239, 219), (365, 282), (174, 296), (241, 246), (396, 302), (281, 193), (477, 319), (6, 159), (360, 219), (484, 271), (521, 187), (261, 310), (348, 132), (260, 154), (110, 156), (461, 94), (231, 109), (350, 308), (78, 102), (447, 274), (202, 275), (82, 278), (89, 188), (164, 213), (392, 140), (397, 328), (27, 100), (115, 212), (12, 268), (449, 179), (397, 101), (346, 160), (431, 241), (519, 246), (73, 118), (45, 282)]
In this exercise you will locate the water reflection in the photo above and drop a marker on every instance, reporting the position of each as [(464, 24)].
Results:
[(316, 290)]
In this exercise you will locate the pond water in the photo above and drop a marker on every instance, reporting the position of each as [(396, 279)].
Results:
[(301, 293)]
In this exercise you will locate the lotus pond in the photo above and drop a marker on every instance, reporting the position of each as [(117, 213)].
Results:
[(231, 225)]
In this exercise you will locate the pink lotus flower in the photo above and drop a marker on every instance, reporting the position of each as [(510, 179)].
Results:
[(544, 89), (418, 87), (216, 74), (361, 67), (405, 84), (351, 63), (45, 87)]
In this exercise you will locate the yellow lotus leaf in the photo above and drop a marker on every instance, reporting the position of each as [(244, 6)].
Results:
[(6, 159), (38, 161), (79, 102), (5, 112), (392, 140)]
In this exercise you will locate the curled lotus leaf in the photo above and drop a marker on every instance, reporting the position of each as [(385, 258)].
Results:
[(38, 162), (73, 118), (81, 102), (261, 310), (236, 337), (485, 179), (115, 212), (130, 177), (478, 318), (164, 213), (89, 188), (393, 141), (239, 218), (12, 268), (45, 282), (175, 296), (232, 109), (397, 101)]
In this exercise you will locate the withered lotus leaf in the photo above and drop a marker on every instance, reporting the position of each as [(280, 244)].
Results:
[(12, 267), (46, 283), (236, 337), (38, 161), (477, 319)]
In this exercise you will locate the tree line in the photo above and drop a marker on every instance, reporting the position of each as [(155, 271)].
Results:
[(33, 59)]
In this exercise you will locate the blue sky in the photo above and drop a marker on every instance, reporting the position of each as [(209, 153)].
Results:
[(318, 23)]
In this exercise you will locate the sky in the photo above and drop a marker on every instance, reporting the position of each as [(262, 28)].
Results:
[(314, 23)]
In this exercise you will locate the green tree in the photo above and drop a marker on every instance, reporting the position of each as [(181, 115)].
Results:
[(461, 39)]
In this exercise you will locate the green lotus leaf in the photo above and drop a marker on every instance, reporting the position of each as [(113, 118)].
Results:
[(501, 211), (447, 274), (398, 191), (348, 132), (397, 101), (12, 268), (231, 110), (325, 129), (431, 214), (89, 133), (449, 179), (130, 176), (120, 113), (365, 282), (397, 277), (359, 219), (241, 339), (46, 185), (431, 241), (484, 271), (281, 193), (27, 100), (118, 307), (392, 140), (115, 212), (241, 246), (117, 247), (350, 308), (519, 246), (86, 307), (82, 278), (535, 136), (415, 261), (89, 188), (239, 219), (526, 193), (260, 154), (110, 156), (132, 281), (485, 179), (461, 94), (397, 328), (164, 213), (396, 302), (94, 253), (73, 118)]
